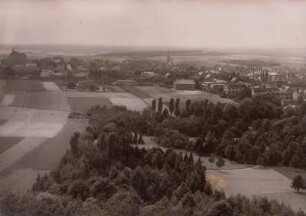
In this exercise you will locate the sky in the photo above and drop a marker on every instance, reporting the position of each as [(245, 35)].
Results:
[(164, 23)]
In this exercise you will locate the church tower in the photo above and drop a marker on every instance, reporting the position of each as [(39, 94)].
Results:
[(168, 61)]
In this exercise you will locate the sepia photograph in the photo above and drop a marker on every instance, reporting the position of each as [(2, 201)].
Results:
[(152, 107)]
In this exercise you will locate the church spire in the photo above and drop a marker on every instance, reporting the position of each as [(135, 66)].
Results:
[(168, 57)]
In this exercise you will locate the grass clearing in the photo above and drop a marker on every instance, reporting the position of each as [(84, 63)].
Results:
[(251, 182)]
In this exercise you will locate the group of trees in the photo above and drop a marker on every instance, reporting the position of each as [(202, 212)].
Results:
[(254, 132), (104, 173), (298, 183)]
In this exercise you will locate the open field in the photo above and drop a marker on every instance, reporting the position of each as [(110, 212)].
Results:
[(24, 85), (82, 104), (24, 122), (34, 94), (136, 91), (13, 154), (51, 100), (129, 100), (167, 94), (134, 104), (35, 131), (249, 181), (258, 182), (48, 154), (99, 94), (8, 142)]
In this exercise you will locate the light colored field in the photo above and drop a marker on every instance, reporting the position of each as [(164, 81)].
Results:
[(8, 99), (128, 100), (50, 86), (23, 122), (166, 94), (134, 104), (257, 182), (100, 94)]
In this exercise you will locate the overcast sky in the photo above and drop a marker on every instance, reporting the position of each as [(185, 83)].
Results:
[(183, 23)]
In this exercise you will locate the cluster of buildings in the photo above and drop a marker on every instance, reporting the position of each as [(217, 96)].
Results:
[(288, 87), (17, 64)]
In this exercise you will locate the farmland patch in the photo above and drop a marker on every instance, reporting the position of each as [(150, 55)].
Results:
[(16, 152), (135, 91), (8, 142), (24, 85), (82, 104), (48, 155), (23, 122)]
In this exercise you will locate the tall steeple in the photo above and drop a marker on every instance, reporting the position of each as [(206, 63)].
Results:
[(13, 50), (168, 57)]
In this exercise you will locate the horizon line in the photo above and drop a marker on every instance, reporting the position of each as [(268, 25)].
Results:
[(150, 46)]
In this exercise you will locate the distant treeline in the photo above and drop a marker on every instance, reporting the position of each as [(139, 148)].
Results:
[(252, 63)]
